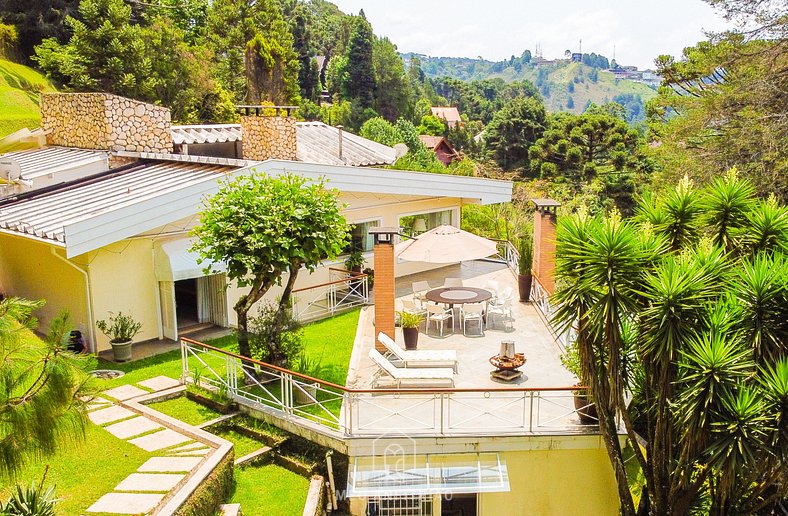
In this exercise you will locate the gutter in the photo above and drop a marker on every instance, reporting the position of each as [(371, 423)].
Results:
[(91, 335)]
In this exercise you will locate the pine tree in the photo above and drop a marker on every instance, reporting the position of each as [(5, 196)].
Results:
[(361, 74)]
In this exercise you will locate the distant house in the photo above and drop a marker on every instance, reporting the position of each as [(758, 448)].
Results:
[(448, 114), (442, 148)]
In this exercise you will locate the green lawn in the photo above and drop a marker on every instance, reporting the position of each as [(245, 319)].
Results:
[(330, 340), (269, 489), (19, 89), (82, 472), (244, 445), (186, 410)]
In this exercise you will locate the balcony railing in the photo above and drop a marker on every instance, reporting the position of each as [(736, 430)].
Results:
[(344, 412), (345, 289)]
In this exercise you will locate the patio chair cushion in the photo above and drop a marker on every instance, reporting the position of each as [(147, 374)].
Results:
[(399, 373), (412, 358)]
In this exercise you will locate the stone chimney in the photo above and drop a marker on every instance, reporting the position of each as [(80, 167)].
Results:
[(544, 242), (268, 136), (106, 122)]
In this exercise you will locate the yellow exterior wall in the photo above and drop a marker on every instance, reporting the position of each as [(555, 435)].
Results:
[(555, 482), (29, 270), (122, 280)]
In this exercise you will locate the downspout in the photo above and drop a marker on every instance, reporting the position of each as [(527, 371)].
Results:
[(84, 273)]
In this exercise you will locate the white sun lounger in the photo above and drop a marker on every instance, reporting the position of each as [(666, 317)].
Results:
[(419, 376), (419, 358)]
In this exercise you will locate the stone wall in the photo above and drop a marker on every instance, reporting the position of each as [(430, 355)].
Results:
[(268, 137), (105, 121)]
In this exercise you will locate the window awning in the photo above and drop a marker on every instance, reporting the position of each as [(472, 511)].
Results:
[(174, 261), (404, 474)]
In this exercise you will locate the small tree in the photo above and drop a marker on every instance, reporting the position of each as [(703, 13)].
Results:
[(262, 227), (42, 387)]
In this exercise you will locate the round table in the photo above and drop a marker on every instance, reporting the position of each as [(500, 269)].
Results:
[(458, 295)]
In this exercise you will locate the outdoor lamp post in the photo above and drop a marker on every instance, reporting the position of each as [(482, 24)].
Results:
[(384, 281)]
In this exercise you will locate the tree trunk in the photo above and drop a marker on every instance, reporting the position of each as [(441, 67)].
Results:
[(277, 355), (242, 308)]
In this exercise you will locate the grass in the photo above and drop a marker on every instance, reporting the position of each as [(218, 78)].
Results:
[(244, 445), (19, 90), (186, 410), (82, 472), (269, 489)]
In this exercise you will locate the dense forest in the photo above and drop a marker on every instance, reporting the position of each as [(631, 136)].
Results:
[(565, 129)]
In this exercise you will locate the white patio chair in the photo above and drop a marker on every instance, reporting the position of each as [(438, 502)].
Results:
[(452, 282), (505, 295), (420, 376), (472, 312), (493, 287), (503, 310), (419, 358), (439, 315), (413, 308), (420, 289)]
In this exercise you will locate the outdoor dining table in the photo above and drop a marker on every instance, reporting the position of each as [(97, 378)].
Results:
[(458, 295)]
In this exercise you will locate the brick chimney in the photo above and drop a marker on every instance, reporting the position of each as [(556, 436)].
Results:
[(384, 282), (269, 132), (544, 242), (106, 122)]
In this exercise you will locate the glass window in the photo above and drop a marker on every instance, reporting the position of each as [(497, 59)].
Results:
[(360, 239), (414, 225)]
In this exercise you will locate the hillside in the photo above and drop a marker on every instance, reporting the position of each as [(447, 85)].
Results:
[(19, 89), (553, 81)]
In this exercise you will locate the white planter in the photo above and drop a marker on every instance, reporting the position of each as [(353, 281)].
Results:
[(121, 351)]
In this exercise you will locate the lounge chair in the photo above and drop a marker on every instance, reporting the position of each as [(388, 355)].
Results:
[(419, 358), (419, 376)]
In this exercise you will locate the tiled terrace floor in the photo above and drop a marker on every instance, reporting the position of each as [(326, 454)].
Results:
[(529, 332)]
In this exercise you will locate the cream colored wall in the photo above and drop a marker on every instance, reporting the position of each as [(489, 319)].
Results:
[(555, 482), (29, 270), (122, 279)]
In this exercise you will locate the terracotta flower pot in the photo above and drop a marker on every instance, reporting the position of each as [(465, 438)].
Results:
[(411, 337), (524, 286)]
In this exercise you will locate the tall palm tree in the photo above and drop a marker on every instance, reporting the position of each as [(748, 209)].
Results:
[(703, 286)]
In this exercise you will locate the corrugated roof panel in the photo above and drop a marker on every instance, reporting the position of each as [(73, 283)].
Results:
[(49, 160), (47, 214)]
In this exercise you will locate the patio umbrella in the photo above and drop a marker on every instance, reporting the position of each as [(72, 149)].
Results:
[(445, 244)]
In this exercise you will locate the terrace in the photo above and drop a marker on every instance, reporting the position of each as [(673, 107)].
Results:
[(541, 402)]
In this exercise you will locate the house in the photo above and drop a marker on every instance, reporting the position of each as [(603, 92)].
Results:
[(117, 239), (448, 114), (441, 147)]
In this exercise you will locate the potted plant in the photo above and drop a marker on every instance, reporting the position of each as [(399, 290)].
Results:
[(409, 322), (525, 264), (307, 366), (354, 261), (120, 329), (370, 277), (584, 403)]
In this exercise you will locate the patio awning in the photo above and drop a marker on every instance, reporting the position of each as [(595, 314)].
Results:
[(445, 244), (405, 474), (174, 261)]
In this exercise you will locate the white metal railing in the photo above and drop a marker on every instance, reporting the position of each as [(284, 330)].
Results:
[(508, 253), (344, 412), (345, 289)]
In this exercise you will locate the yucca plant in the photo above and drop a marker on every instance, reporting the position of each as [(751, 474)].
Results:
[(120, 327), (32, 500)]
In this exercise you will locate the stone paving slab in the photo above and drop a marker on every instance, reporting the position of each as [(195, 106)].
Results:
[(93, 405), (193, 453), (169, 464), (125, 392), (126, 503), (160, 383), (132, 427), (188, 447), (110, 414), (160, 440), (149, 482)]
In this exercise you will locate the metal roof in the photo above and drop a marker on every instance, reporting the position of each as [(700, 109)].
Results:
[(319, 143), (448, 113), (316, 142), (45, 214), (47, 160), (215, 133)]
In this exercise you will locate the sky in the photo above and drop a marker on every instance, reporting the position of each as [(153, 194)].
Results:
[(496, 29)]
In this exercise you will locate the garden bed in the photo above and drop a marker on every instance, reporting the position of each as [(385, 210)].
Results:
[(184, 409), (269, 489)]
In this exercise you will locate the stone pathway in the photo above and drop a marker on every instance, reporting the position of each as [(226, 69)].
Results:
[(141, 492)]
